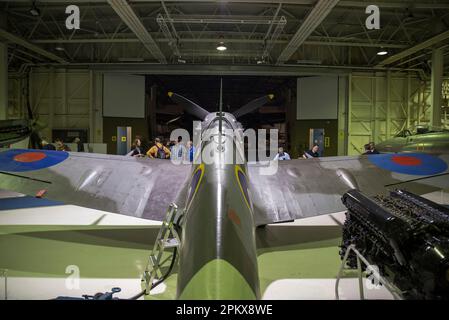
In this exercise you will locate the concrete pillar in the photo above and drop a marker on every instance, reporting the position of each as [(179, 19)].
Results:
[(97, 98), (91, 108), (349, 115), (388, 107), (3, 72), (342, 115), (409, 100), (437, 81), (64, 109), (152, 112), (3, 81), (51, 111), (375, 130)]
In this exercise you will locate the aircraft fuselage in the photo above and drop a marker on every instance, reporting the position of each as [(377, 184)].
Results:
[(218, 257)]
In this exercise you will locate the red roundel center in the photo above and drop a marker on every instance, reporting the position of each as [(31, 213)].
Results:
[(406, 160), (29, 157)]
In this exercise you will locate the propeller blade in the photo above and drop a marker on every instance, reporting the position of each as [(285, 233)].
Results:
[(253, 105), (173, 120), (189, 106)]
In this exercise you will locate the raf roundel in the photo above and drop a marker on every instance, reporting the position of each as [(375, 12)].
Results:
[(19, 160), (410, 163)]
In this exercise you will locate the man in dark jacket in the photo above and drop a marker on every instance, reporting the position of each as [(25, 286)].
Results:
[(46, 145), (79, 144), (313, 153)]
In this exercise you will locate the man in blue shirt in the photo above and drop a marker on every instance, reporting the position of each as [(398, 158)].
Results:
[(190, 150), (282, 155)]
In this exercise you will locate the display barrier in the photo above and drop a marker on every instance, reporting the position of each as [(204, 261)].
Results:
[(395, 292)]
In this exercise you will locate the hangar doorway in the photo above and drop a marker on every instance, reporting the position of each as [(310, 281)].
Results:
[(281, 113)]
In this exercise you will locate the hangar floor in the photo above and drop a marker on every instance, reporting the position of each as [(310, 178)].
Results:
[(44, 244)]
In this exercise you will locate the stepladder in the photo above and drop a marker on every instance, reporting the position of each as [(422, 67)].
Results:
[(167, 238)]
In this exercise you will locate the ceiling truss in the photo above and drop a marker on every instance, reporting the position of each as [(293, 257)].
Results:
[(310, 32)]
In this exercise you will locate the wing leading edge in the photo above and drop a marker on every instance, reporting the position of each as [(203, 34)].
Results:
[(131, 186), (306, 188)]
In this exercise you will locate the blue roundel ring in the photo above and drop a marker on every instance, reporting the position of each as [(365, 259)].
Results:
[(409, 163), (19, 160)]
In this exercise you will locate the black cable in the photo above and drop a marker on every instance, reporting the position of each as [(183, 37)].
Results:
[(154, 285)]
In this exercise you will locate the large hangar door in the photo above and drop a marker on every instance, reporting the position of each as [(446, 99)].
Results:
[(123, 107), (123, 96), (317, 98), (317, 105)]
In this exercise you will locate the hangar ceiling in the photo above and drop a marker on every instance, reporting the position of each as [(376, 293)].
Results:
[(267, 34)]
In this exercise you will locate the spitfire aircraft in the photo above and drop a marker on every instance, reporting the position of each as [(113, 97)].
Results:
[(12, 131), (222, 203), (418, 139)]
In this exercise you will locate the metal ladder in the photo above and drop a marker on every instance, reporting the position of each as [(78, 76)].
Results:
[(167, 238)]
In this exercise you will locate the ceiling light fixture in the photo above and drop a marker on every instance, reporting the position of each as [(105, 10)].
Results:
[(59, 48), (221, 46), (34, 11), (382, 52)]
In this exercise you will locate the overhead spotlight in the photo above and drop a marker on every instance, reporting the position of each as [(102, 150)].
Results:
[(59, 48), (34, 11), (382, 53), (221, 46)]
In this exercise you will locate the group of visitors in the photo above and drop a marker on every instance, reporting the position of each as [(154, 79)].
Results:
[(370, 148), (59, 145), (312, 153), (172, 149)]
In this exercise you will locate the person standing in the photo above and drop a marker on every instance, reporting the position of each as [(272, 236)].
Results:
[(46, 145), (367, 148), (190, 150), (373, 149), (281, 155), (312, 153), (137, 150), (179, 151), (79, 144), (61, 146), (158, 150)]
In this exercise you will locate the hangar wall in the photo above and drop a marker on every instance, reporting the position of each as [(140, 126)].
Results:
[(383, 104), (379, 104), (60, 99)]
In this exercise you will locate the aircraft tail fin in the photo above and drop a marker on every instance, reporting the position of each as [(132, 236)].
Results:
[(253, 105)]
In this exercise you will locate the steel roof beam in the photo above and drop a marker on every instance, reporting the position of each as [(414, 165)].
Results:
[(129, 17), (26, 44), (442, 4), (312, 41), (313, 20), (423, 45)]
